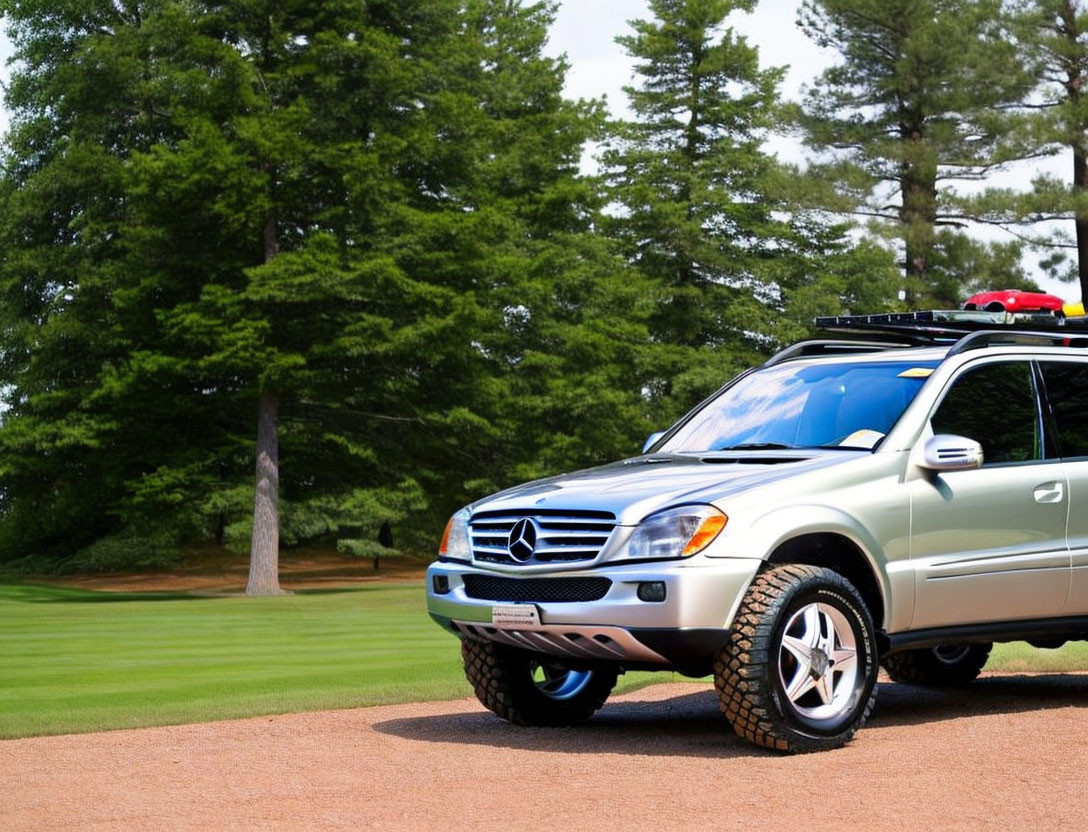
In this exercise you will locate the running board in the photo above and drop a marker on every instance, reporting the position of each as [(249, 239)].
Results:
[(1073, 628)]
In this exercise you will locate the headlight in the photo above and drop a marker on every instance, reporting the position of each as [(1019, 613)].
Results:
[(676, 533), (456, 544)]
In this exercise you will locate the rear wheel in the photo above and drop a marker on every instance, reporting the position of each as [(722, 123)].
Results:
[(946, 665), (530, 689), (799, 671)]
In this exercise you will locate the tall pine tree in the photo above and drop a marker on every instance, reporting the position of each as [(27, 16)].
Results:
[(1052, 38), (355, 230), (219, 250), (918, 101), (702, 211)]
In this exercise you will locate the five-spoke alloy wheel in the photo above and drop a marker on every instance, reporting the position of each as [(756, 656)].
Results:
[(818, 661), (799, 671)]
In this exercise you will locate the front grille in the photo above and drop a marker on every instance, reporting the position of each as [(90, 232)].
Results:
[(561, 535), (541, 590)]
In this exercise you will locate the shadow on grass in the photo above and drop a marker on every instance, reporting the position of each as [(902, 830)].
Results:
[(37, 594), (29, 593), (691, 725), (368, 587)]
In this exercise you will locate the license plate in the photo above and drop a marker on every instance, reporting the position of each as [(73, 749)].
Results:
[(515, 615)]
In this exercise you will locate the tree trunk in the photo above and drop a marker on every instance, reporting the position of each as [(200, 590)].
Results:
[(918, 217), (264, 545), (264, 552), (917, 177), (1080, 221), (1068, 29)]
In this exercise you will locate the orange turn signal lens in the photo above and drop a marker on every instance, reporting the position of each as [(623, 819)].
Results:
[(444, 546), (705, 534)]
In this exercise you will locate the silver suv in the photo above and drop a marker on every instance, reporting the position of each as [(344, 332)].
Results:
[(849, 504)]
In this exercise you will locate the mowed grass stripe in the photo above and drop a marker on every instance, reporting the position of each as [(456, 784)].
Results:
[(83, 661), (74, 661)]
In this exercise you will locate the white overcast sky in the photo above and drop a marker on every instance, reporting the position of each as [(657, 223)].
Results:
[(585, 30)]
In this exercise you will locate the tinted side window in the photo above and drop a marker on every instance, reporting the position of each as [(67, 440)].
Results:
[(1067, 389), (994, 405)]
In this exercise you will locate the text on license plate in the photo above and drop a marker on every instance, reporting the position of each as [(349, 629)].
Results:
[(515, 615)]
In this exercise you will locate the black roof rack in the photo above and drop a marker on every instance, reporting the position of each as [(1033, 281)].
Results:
[(937, 327), (960, 330)]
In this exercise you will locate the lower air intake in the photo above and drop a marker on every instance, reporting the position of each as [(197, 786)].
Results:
[(539, 590)]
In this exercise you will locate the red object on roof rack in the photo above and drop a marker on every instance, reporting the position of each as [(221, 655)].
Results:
[(1015, 300)]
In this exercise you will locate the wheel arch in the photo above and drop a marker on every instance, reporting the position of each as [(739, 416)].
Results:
[(842, 555)]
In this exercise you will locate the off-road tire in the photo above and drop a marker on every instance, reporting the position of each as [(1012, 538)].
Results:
[(502, 678), (748, 670), (944, 666)]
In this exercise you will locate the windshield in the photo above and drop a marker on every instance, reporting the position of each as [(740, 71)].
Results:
[(842, 405)]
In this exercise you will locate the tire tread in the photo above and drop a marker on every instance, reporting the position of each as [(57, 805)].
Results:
[(742, 672), (922, 667), (500, 679)]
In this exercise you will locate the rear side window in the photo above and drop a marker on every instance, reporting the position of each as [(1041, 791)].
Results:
[(1067, 388), (995, 405)]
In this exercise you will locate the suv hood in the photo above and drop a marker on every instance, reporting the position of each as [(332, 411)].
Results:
[(633, 488)]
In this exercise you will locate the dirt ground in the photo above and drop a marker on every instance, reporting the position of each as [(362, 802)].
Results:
[(1010, 752), (223, 572)]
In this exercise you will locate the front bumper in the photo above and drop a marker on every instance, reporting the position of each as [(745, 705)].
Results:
[(682, 632)]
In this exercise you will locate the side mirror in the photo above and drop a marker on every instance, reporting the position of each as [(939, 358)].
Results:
[(652, 440), (945, 452)]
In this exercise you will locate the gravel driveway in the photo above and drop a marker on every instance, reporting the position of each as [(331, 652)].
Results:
[(1010, 752)]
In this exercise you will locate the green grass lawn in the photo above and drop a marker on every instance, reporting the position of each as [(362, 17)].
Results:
[(74, 660), (1022, 657)]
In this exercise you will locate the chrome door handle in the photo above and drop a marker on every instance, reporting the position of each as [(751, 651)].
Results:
[(1049, 492)]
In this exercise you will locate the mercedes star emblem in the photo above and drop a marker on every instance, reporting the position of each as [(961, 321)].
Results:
[(522, 540)]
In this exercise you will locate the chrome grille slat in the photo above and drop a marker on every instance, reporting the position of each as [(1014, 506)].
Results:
[(555, 534), (566, 536), (490, 550), (588, 525), (562, 546)]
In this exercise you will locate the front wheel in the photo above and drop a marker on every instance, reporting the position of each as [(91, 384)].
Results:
[(529, 689), (799, 671), (946, 665)]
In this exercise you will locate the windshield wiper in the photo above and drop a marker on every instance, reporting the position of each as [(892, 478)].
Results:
[(759, 446)]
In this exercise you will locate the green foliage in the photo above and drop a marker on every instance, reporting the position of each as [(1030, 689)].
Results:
[(920, 99), (731, 263), (372, 211), (1049, 36), (372, 215), (126, 551), (694, 214)]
